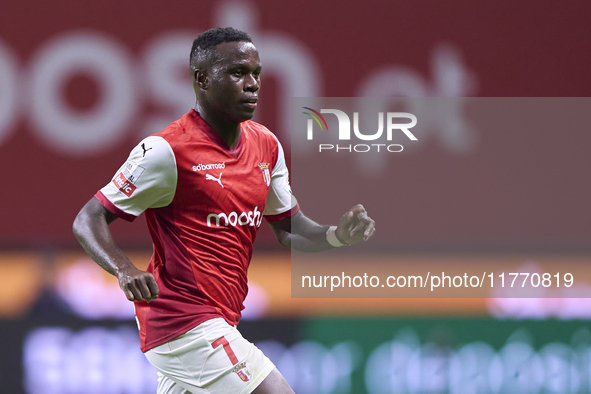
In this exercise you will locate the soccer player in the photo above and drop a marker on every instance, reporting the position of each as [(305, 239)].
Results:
[(205, 183)]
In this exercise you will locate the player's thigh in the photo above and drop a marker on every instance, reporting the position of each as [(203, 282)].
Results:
[(274, 383), (169, 386), (213, 358)]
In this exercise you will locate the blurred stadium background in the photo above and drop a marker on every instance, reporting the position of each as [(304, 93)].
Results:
[(82, 82)]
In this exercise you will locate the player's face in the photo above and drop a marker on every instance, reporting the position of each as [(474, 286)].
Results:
[(235, 81)]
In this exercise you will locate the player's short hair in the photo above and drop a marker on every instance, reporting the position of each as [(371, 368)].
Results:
[(204, 44)]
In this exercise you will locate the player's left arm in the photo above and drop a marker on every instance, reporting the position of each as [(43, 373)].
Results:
[(294, 230), (302, 233)]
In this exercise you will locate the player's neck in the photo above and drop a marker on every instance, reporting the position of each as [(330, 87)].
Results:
[(229, 132)]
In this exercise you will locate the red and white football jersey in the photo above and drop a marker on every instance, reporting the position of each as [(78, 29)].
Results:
[(203, 203)]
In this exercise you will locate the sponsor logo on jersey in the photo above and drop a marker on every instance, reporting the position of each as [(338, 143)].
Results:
[(209, 177), (212, 166), (242, 371), (266, 174), (123, 184), (132, 171), (250, 218)]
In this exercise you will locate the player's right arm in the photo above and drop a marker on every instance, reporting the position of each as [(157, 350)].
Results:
[(91, 228), (146, 180)]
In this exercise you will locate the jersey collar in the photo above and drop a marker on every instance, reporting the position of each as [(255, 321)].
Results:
[(213, 136)]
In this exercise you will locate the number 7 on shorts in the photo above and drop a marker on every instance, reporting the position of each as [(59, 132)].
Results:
[(223, 341)]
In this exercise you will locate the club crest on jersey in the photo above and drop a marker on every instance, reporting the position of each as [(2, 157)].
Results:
[(242, 371), (266, 174)]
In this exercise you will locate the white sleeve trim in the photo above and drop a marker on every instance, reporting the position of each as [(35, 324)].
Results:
[(280, 199), (148, 178)]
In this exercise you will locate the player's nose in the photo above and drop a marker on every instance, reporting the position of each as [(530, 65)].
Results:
[(251, 83)]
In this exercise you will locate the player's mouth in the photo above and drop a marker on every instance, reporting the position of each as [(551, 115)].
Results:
[(251, 102)]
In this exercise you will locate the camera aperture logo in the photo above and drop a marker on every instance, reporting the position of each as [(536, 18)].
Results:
[(395, 122)]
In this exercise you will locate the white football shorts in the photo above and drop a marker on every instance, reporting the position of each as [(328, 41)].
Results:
[(212, 358)]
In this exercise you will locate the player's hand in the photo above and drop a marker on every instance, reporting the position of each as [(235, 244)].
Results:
[(138, 285), (355, 226)]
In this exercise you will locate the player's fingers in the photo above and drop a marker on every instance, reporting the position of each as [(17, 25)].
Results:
[(360, 213), (143, 288), (369, 231), (350, 214), (129, 294), (359, 227), (153, 286), (361, 222), (351, 218), (356, 211), (136, 293), (358, 208), (346, 223)]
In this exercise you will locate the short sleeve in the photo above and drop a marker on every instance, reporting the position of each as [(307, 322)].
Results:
[(147, 180), (281, 203)]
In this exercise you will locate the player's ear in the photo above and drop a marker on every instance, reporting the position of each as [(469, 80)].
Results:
[(201, 78)]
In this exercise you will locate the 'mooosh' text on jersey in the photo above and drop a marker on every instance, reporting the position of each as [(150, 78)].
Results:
[(250, 218)]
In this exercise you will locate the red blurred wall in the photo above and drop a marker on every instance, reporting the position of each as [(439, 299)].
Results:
[(51, 163)]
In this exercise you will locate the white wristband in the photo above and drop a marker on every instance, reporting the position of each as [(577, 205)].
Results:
[(331, 237)]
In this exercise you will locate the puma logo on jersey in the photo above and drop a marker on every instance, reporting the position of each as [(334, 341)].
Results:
[(212, 178), (145, 150)]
